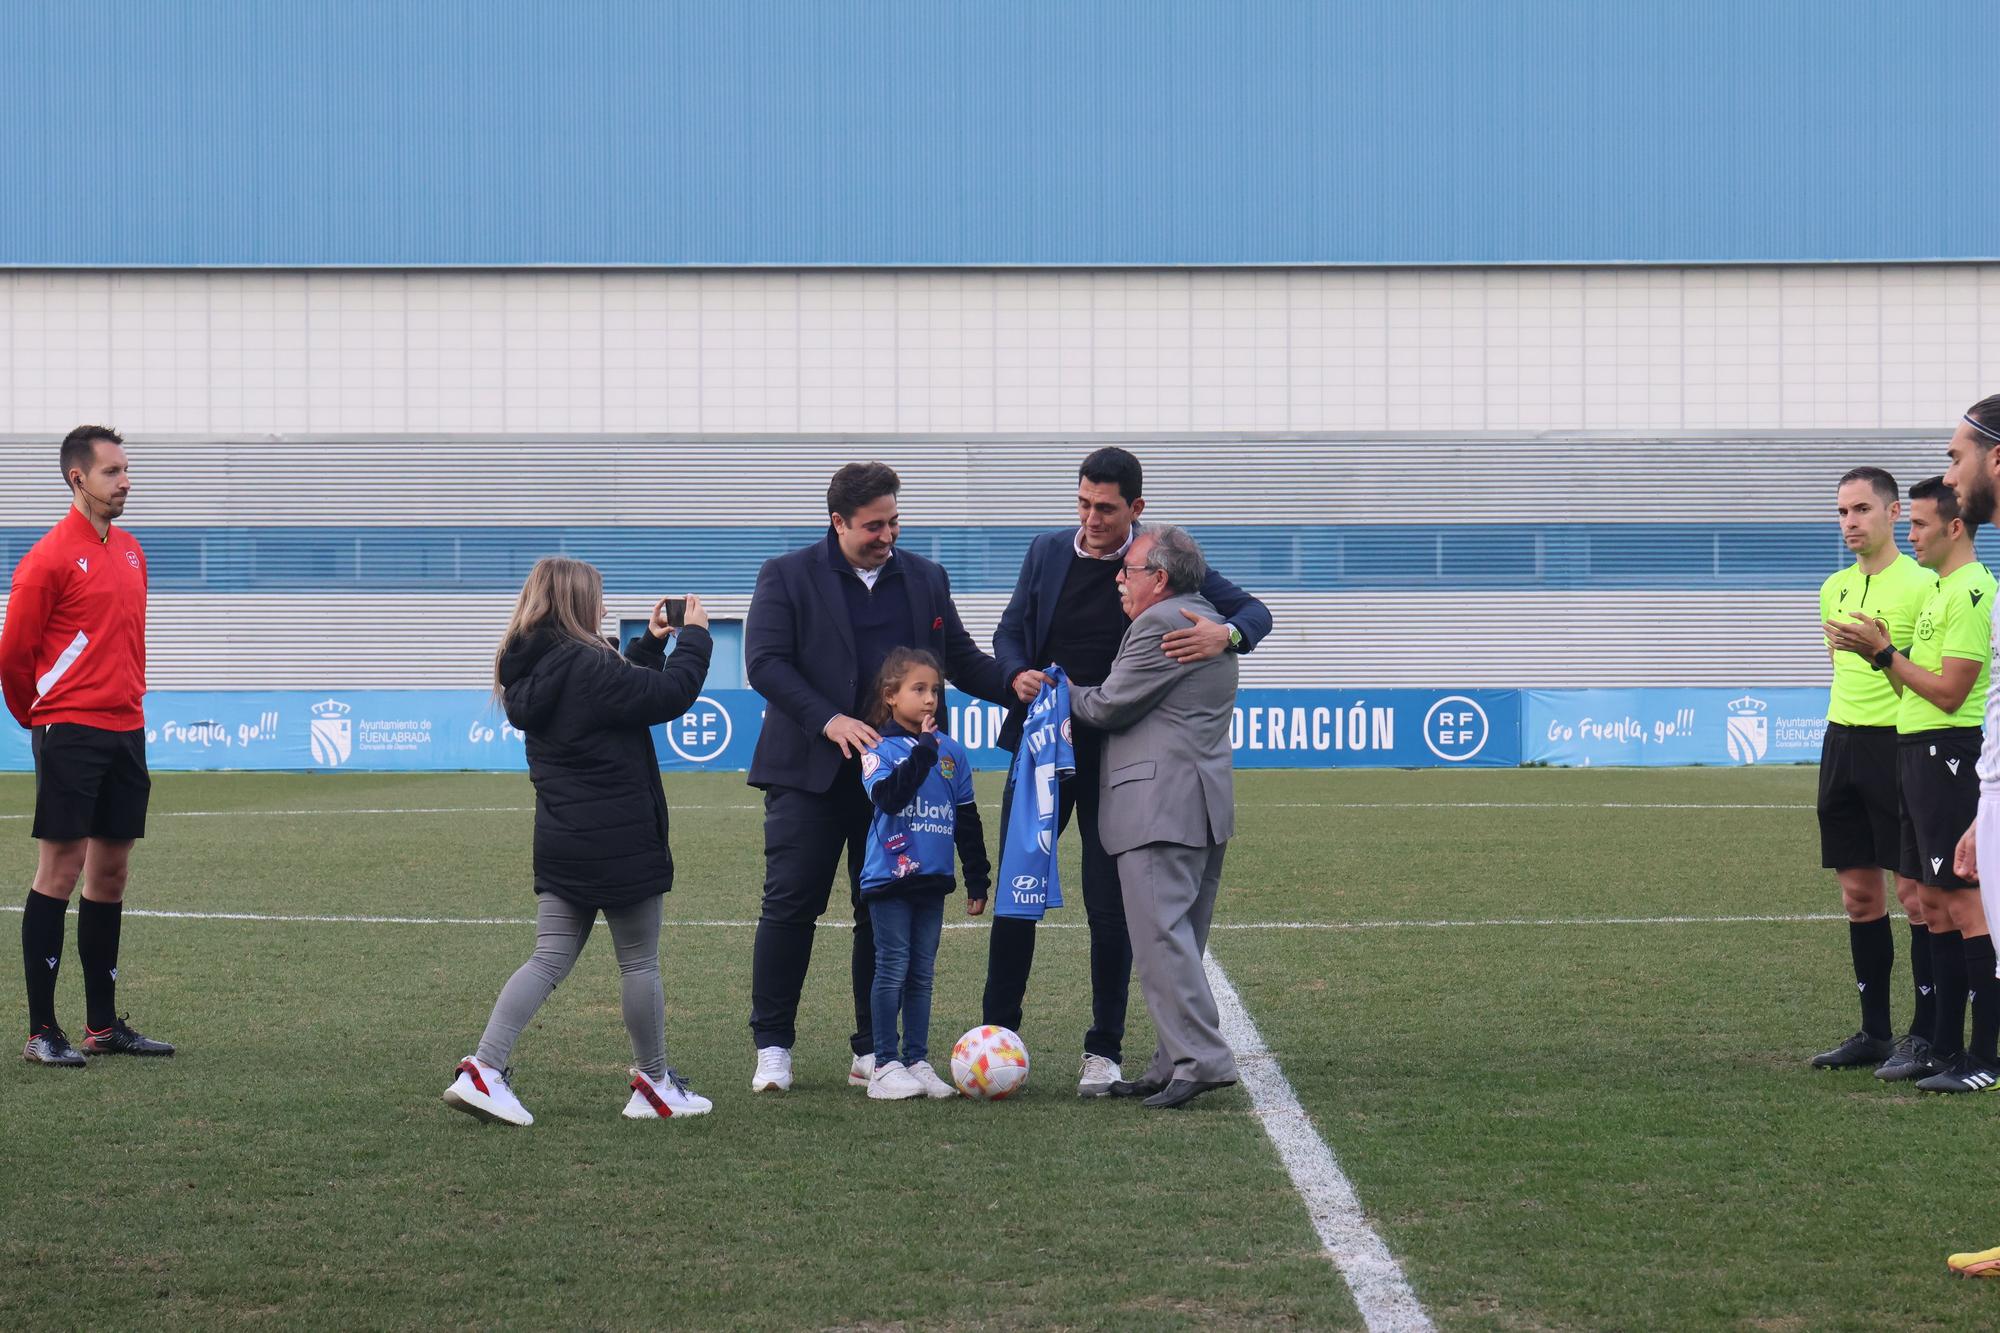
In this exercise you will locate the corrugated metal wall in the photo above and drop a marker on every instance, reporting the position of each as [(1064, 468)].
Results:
[(1450, 561), (857, 132)]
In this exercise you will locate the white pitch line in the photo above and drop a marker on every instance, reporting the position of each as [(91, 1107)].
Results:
[(1381, 1292), (288, 918)]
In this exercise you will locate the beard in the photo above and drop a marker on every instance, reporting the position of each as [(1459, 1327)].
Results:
[(1976, 502)]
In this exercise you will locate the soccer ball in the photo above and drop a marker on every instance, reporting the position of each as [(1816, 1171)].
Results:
[(989, 1063)]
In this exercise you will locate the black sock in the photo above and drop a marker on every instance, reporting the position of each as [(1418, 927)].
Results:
[(97, 949), (1924, 1021), (41, 955), (1948, 966), (1874, 950), (1985, 1000)]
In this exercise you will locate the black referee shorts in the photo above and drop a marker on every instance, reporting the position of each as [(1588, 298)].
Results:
[(90, 783), (1860, 818), (1940, 801)]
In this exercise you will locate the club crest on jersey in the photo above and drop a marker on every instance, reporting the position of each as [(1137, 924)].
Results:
[(871, 764), (132, 559), (947, 766)]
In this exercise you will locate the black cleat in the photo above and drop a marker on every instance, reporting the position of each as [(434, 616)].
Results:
[(1966, 1074), (50, 1047), (120, 1039), (1910, 1059), (1858, 1050)]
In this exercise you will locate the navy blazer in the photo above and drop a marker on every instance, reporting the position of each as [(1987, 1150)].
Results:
[(1023, 632), (798, 650)]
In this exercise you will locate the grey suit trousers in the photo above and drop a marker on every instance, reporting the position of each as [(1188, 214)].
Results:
[(1169, 901)]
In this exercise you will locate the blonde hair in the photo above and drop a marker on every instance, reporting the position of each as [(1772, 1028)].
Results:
[(562, 595)]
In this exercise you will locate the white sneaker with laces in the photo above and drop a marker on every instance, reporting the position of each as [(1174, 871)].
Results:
[(1097, 1076), (893, 1083), (774, 1070), (667, 1097), (861, 1071), (927, 1079), (481, 1090)]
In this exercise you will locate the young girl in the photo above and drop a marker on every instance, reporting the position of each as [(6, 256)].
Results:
[(600, 820), (920, 782)]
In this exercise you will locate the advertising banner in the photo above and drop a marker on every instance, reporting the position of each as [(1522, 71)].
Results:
[(1658, 727), (444, 730)]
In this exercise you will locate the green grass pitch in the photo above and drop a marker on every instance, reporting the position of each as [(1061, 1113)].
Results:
[(1553, 1125)]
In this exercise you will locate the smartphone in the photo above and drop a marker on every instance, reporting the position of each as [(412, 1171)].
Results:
[(677, 610)]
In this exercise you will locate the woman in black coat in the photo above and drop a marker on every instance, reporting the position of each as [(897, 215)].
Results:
[(600, 820)]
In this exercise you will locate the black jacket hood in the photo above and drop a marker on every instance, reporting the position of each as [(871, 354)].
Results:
[(531, 676)]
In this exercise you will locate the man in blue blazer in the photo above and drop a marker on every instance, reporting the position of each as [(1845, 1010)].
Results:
[(1065, 609), (820, 623)]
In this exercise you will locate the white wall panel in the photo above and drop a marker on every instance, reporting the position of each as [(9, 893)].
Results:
[(650, 481), (1373, 640), (1833, 347)]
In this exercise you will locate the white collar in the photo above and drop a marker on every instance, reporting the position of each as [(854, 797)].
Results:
[(1119, 554)]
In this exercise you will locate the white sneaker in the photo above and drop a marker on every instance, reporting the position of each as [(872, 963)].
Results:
[(774, 1069), (927, 1079), (893, 1083), (665, 1098), (1097, 1077), (482, 1090), (861, 1071)]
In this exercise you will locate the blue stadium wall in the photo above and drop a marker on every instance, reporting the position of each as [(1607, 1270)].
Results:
[(1128, 132)]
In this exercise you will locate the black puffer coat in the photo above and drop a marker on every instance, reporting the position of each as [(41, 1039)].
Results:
[(600, 812)]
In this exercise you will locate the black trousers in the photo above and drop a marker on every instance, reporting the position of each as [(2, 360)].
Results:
[(805, 834), (1010, 953)]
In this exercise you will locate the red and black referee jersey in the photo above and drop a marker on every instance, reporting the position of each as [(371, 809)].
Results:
[(73, 639)]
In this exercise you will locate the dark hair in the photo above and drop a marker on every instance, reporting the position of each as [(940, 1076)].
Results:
[(1112, 464), (1884, 484), (79, 447), (1987, 413), (858, 484), (895, 666), (1943, 496)]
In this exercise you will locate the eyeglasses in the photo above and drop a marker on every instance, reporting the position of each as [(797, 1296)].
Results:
[(1139, 568)]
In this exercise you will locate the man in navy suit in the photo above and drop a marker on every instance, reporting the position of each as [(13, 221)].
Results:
[(821, 622), (1065, 609)]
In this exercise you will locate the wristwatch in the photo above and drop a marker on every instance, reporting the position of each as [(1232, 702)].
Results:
[(1235, 637), (1883, 658)]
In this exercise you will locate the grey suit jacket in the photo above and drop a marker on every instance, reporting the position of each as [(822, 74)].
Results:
[(1167, 769)]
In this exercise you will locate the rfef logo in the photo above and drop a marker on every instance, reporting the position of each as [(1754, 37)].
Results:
[(1456, 729), (702, 733), (332, 734), (1749, 730)]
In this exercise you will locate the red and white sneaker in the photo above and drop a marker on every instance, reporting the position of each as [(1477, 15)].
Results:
[(481, 1090), (667, 1097)]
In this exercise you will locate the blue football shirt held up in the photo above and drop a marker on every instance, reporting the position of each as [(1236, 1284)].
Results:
[(1028, 880)]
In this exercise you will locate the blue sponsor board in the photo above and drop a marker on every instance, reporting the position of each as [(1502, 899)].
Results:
[(1661, 727), (442, 730)]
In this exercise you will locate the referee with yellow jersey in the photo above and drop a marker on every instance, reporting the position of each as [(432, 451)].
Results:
[(1942, 680), (1860, 817)]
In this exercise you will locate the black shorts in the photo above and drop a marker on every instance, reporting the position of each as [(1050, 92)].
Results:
[(1940, 801), (1860, 820), (90, 783)]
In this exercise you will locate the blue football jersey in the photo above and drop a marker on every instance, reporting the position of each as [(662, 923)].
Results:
[(916, 840), (1027, 880)]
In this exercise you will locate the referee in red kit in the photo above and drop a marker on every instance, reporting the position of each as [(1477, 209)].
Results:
[(73, 668)]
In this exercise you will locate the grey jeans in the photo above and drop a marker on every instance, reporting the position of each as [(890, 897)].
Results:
[(561, 927)]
